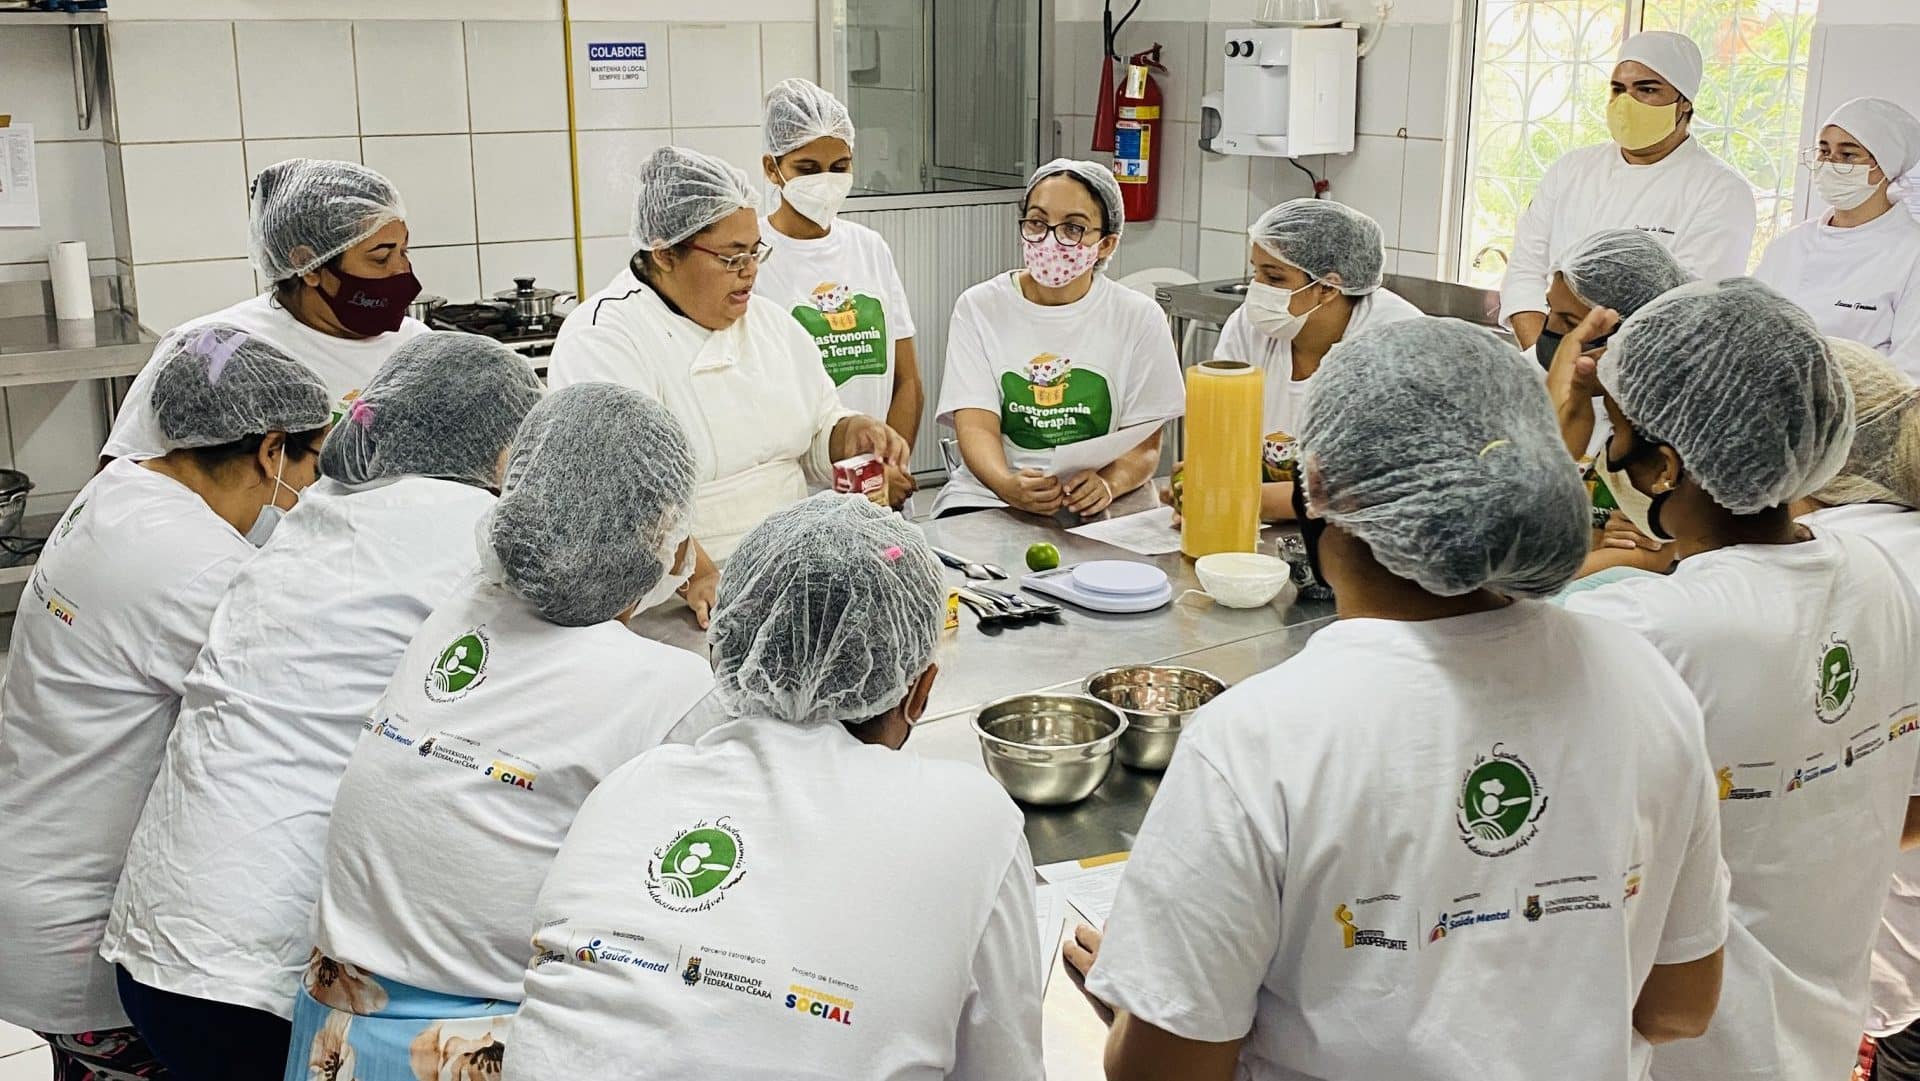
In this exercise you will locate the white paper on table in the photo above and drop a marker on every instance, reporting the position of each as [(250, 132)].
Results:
[(1100, 451), (1089, 885), (1147, 533), (1051, 907), (19, 190)]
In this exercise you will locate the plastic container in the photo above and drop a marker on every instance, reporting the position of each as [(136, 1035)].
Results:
[(1220, 496)]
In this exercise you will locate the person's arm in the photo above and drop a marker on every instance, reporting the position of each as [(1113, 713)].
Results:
[(1910, 829), (1718, 242), (180, 628), (1523, 292), (1138, 1051), (1573, 380), (981, 447), (998, 1038), (903, 415), (1095, 490), (703, 588), (1276, 501), (1683, 988), (1677, 1001)]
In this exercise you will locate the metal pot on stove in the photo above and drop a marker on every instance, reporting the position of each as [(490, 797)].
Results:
[(528, 304), (423, 305)]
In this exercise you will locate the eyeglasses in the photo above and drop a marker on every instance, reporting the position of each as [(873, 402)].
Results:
[(1813, 155), (1033, 230), (739, 261)]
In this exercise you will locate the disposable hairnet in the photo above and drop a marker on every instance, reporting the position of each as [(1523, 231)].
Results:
[(1673, 57), (306, 211), (1884, 463), (828, 611), (1738, 380), (598, 492), (1323, 237), (218, 383), (1434, 442), (443, 405), (798, 112), (1890, 133), (1099, 177), (1622, 269), (683, 191)]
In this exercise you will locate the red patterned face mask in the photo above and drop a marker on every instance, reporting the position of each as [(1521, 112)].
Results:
[(1054, 264)]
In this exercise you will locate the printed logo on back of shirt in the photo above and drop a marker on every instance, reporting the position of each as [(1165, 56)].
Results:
[(1354, 934), (1500, 804), (694, 871), (460, 668), (1839, 680)]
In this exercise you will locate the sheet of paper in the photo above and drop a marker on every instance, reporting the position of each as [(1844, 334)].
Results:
[(1100, 451), (1088, 885), (1148, 533), (19, 190), (1051, 907)]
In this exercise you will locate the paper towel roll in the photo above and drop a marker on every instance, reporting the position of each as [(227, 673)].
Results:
[(72, 281)]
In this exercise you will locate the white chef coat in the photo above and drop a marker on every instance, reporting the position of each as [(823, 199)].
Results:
[(1700, 207), (1861, 283), (343, 364), (755, 400), (218, 892), (455, 800), (1111, 348), (1311, 881), (844, 289), (117, 608), (877, 920), (1285, 395), (1816, 794)]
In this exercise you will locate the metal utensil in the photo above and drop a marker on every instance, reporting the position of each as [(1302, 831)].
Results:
[(423, 305), (530, 305), (1049, 749), (990, 612), (1022, 605), (1008, 610), (979, 572), (1156, 701)]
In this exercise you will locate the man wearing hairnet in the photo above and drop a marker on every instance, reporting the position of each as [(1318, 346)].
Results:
[(224, 865), (520, 692), (117, 609), (794, 896), (331, 238), (1459, 848), (1653, 177), (1855, 267), (1727, 407)]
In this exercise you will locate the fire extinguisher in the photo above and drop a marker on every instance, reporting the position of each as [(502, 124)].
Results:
[(1136, 136)]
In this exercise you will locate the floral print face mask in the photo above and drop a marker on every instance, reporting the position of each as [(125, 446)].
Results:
[(1054, 264)]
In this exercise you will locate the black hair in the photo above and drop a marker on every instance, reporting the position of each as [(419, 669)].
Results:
[(1092, 192), (642, 266), (221, 456)]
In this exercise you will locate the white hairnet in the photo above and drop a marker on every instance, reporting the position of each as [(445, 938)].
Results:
[(828, 611), (306, 211), (443, 405), (1890, 133), (798, 112), (599, 484), (1673, 57), (1323, 237), (683, 191), (1622, 269), (218, 383), (1434, 442), (1883, 465), (1098, 177), (1738, 380)]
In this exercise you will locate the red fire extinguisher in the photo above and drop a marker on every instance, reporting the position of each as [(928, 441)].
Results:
[(1136, 139)]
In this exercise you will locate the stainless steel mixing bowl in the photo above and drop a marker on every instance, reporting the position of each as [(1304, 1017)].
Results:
[(1049, 748), (1156, 701)]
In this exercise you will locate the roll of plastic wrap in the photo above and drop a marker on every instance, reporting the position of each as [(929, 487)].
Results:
[(72, 281), (1220, 498)]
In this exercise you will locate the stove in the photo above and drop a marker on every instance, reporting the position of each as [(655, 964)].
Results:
[(533, 340)]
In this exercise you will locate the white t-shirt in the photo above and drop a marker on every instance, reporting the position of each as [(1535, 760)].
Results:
[(1861, 283), (117, 608), (846, 291), (343, 364), (496, 726), (1285, 395), (217, 898), (777, 902), (1802, 658), (1700, 207), (1054, 375), (1439, 850), (755, 400)]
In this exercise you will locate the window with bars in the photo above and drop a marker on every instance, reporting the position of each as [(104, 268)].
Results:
[(1541, 74)]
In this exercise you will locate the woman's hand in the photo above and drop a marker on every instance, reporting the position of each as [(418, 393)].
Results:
[(1622, 533), (1030, 490), (1079, 953), (900, 487), (703, 588), (1573, 381), (1087, 494), (858, 435)]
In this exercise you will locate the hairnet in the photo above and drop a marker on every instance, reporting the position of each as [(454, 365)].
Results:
[(443, 405), (828, 611), (1883, 465), (217, 383), (1673, 57), (1890, 133), (1738, 380), (1622, 269), (1433, 442), (683, 191), (599, 484), (1099, 177), (306, 211), (1323, 237), (798, 112)]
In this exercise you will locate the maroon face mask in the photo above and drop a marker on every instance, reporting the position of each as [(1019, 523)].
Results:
[(370, 306)]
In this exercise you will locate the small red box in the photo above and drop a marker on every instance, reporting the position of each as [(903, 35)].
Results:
[(862, 474)]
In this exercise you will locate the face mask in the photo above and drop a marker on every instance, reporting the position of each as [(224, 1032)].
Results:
[(1054, 264), (1641, 509), (1843, 186), (370, 306), (270, 513), (1635, 125), (670, 582), (817, 197), (1268, 310), (1311, 530), (1549, 344)]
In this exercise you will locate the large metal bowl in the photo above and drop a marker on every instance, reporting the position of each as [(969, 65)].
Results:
[(1156, 701), (1049, 748)]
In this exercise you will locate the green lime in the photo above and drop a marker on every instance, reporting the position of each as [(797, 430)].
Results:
[(1042, 557)]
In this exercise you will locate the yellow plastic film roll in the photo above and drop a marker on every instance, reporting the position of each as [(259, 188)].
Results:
[(1220, 504)]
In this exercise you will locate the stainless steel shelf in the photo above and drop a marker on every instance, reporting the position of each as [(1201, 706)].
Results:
[(52, 18), (40, 349)]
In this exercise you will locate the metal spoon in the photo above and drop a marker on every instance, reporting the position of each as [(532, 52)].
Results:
[(979, 572)]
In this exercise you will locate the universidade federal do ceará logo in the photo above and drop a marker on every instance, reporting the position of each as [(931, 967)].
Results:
[(1500, 803), (694, 871), (1839, 679), (460, 667)]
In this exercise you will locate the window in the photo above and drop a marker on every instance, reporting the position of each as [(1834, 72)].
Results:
[(1542, 69)]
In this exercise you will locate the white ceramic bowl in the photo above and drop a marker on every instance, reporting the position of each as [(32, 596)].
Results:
[(1242, 579)]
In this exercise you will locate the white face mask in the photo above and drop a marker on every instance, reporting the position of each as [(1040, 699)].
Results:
[(1842, 186), (270, 513), (1268, 309), (817, 196), (1634, 503), (670, 582)]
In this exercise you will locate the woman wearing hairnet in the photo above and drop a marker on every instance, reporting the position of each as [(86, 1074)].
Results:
[(1856, 268), (681, 323), (837, 277), (1530, 875), (118, 606), (1727, 407), (221, 875), (1056, 354), (331, 237), (517, 695), (790, 896)]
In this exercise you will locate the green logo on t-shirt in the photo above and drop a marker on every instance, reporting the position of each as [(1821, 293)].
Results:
[(1839, 677), (849, 327), (1500, 804), (1053, 404), (460, 666), (694, 871)]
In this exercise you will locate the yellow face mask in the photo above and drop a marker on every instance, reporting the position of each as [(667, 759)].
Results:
[(1635, 125)]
